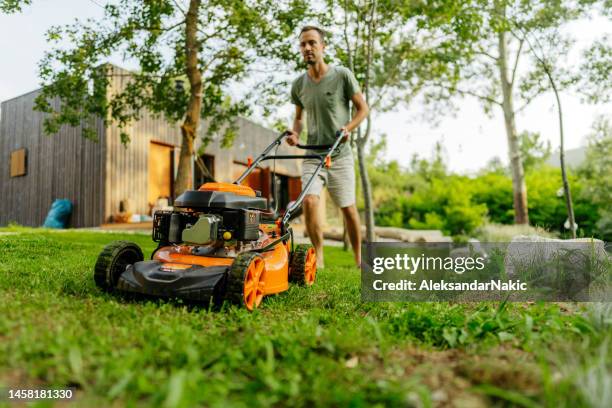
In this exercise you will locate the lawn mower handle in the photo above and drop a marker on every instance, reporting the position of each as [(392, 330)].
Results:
[(324, 159), (261, 157), (264, 155)]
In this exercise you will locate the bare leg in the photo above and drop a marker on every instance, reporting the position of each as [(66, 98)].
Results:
[(313, 226), (351, 217)]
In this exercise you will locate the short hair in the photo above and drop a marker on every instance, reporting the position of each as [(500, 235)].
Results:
[(315, 28)]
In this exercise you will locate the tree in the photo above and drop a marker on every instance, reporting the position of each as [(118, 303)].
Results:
[(596, 81), (210, 44), (554, 77), (493, 73), (13, 6), (596, 172), (393, 48), (542, 40)]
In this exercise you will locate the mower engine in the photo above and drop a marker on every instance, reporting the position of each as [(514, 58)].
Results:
[(218, 219), (205, 228)]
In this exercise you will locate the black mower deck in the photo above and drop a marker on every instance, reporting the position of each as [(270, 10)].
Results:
[(198, 283)]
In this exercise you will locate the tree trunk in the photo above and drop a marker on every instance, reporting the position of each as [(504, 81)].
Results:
[(566, 187), (519, 188), (367, 189), (189, 128), (362, 140)]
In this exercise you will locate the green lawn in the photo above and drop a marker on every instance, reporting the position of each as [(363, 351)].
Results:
[(307, 346)]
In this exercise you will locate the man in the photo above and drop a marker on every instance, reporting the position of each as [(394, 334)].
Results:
[(324, 92)]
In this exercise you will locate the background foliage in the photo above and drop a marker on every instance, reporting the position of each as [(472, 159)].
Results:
[(425, 195)]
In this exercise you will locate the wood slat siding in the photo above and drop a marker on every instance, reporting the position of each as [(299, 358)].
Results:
[(127, 166), (251, 140), (63, 165), (97, 176)]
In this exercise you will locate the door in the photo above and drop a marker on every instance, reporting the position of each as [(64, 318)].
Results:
[(294, 187), (160, 172), (199, 177), (253, 180)]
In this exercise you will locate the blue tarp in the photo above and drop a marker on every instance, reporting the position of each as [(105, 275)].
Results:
[(59, 214)]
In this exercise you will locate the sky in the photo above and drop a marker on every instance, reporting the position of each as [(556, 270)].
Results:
[(470, 138)]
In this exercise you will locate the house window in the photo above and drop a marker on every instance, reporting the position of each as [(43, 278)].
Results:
[(19, 162)]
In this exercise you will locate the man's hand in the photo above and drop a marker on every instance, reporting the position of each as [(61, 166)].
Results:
[(292, 138), (346, 134)]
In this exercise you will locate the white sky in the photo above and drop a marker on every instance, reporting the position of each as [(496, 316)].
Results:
[(470, 137)]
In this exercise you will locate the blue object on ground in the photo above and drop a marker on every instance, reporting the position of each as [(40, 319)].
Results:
[(59, 214)]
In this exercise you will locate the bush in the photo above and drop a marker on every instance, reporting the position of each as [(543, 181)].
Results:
[(392, 212), (426, 197), (443, 204), (603, 227), (494, 190), (546, 207)]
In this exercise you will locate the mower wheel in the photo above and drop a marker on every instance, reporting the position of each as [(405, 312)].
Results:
[(303, 266), (113, 260), (245, 283)]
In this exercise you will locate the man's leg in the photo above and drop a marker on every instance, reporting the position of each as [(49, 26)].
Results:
[(353, 226), (313, 226), (341, 177)]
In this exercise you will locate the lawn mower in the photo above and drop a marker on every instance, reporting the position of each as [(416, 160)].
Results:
[(221, 242)]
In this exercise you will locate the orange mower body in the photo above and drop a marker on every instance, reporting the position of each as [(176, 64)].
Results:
[(205, 267)]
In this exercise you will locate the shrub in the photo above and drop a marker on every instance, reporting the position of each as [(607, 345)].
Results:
[(443, 204), (426, 197), (494, 190)]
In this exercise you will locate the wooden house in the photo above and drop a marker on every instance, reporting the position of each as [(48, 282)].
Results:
[(97, 176)]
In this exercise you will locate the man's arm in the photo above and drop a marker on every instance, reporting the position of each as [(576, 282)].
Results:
[(361, 112), (298, 123)]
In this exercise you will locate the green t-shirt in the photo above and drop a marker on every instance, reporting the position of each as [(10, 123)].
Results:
[(326, 104)]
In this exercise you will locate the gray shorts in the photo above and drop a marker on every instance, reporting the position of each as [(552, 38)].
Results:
[(339, 179)]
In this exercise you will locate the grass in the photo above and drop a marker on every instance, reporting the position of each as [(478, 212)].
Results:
[(308, 346)]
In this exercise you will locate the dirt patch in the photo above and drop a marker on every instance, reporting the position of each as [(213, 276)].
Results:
[(452, 375), (503, 367), (19, 379)]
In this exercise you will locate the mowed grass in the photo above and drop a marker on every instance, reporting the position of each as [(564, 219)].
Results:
[(308, 346)]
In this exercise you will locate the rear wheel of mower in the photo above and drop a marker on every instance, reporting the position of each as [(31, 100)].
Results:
[(246, 283), (303, 267), (113, 260)]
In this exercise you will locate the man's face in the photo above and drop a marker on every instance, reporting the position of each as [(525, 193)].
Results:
[(311, 47)]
